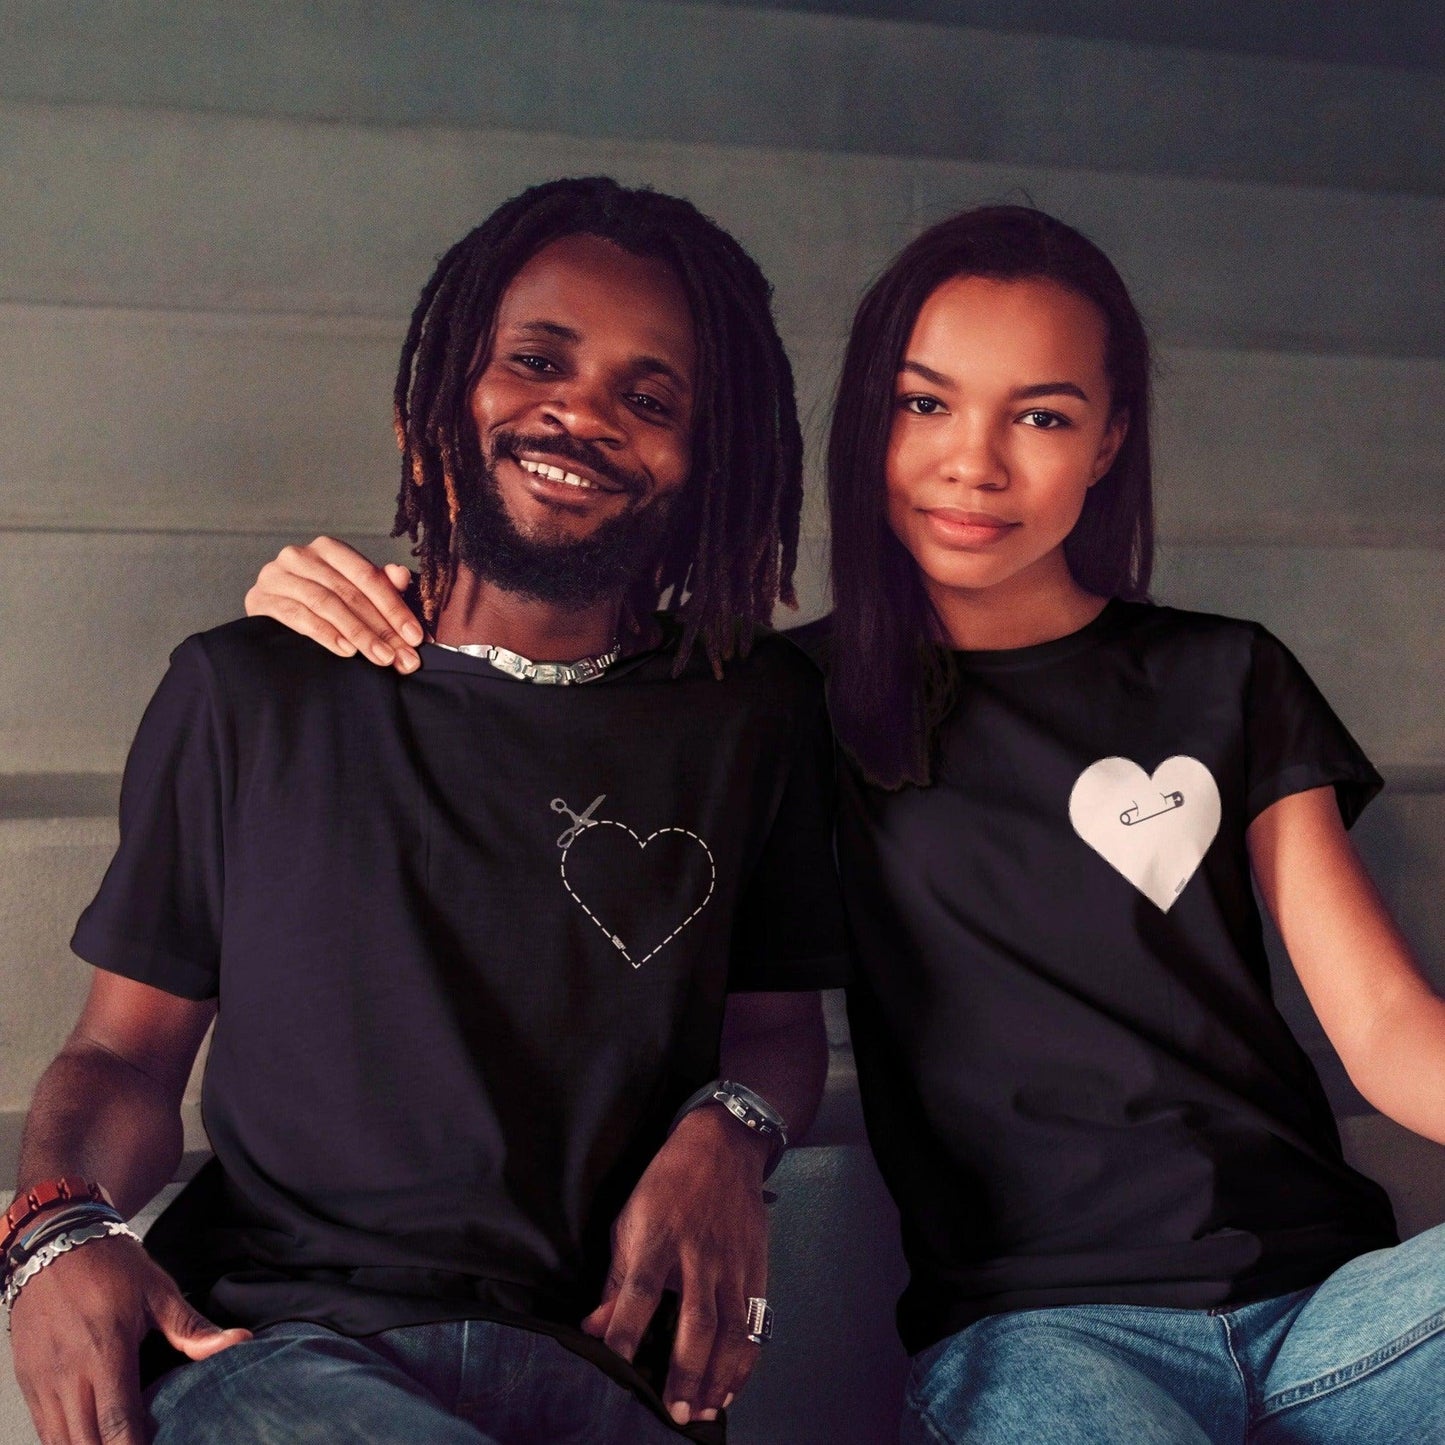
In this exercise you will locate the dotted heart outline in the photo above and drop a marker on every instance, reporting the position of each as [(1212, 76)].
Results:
[(642, 843)]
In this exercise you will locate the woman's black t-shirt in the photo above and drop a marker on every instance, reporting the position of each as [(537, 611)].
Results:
[(1076, 1082)]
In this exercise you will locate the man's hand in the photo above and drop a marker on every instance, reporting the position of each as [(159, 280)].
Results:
[(75, 1331), (695, 1223), (330, 593)]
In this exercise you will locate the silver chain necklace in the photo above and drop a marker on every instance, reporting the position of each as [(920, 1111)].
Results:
[(585, 669)]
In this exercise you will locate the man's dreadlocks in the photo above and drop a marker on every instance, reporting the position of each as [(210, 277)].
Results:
[(732, 538)]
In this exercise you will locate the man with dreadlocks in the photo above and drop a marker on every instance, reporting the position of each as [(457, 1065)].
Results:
[(477, 940)]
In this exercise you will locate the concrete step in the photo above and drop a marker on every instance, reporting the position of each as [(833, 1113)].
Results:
[(138, 207), (238, 421), (641, 69)]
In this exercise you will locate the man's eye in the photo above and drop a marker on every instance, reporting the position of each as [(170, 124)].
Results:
[(648, 403), (1044, 420), (533, 362)]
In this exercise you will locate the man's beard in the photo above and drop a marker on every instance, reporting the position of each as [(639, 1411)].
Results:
[(567, 572)]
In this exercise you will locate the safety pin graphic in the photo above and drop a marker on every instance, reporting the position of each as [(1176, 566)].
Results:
[(1171, 801), (580, 820)]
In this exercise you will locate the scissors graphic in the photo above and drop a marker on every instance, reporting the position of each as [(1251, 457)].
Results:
[(1129, 816), (579, 820)]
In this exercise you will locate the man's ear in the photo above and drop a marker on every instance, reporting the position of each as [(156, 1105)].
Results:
[(1113, 439)]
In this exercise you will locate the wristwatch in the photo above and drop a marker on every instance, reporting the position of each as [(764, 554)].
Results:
[(749, 1109)]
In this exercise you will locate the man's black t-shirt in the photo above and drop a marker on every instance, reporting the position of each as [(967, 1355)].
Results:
[(1077, 1084), (471, 940)]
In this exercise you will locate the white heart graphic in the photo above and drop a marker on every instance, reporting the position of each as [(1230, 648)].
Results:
[(1155, 831), (617, 941)]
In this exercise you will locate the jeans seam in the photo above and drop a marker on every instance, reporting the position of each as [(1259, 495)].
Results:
[(913, 1401), (925, 1418), (1365, 1365), (1249, 1391)]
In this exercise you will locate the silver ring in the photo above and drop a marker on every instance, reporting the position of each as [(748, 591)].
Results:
[(760, 1320)]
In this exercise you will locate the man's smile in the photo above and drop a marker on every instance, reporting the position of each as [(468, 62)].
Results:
[(574, 475)]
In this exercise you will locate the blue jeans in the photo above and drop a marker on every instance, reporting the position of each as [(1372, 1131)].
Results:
[(1358, 1360), (459, 1382)]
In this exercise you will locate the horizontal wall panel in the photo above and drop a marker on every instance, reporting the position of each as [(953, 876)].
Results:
[(174, 209), (92, 618), (1368, 623), (234, 421), (1402, 33), (49, 871), (137, 419), (1268, 447), (637, 70), (90, 621)]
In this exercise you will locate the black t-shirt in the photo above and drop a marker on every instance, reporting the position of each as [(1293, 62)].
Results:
[(1076, 1082), (471, 940)]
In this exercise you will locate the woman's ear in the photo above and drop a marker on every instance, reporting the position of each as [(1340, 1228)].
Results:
[(1109, 445)]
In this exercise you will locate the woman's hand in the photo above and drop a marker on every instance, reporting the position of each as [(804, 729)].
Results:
[(332, 594)]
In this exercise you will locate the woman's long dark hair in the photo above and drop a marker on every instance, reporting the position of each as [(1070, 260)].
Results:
[(891, 679)]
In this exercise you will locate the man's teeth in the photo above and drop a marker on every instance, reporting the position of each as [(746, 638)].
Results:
[(556, 474)]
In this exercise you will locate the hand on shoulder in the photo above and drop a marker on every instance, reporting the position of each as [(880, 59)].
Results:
[(330, 593)]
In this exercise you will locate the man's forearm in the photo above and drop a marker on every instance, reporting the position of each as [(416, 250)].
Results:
[(776, 1044), (99, 1117)]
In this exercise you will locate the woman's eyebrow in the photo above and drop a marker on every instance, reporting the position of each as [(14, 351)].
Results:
[(1050, 388), (926, 372)]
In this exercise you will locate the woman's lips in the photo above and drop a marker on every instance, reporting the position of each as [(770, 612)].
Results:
[(968, 529)]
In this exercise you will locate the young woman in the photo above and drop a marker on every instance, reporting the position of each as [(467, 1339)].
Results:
[(1123, 1199)]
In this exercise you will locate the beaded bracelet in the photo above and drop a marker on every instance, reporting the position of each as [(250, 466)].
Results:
[(51, 1194)]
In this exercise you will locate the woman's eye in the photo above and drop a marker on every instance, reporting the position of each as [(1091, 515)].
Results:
[(921, 405), (1044, 420)]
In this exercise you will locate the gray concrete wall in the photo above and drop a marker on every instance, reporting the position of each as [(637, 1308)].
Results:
[(214, 219)]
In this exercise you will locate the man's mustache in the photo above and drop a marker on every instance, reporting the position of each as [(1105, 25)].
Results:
[(559, 447)]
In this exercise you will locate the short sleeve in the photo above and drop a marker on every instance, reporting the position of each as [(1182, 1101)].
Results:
[(157, 916), (789, 932), (1294, 741)]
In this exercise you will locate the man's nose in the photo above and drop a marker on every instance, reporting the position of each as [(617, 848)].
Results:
[(588, 411)]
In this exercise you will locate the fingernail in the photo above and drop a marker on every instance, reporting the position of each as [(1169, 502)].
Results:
[(408, 661), (681, 1413), (381, 653), (707, 1414), (345, 647), (412, 633), (728, 1399)]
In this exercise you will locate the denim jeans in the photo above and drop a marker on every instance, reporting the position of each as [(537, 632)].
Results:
[(459, 1382), (1358, 1360)]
